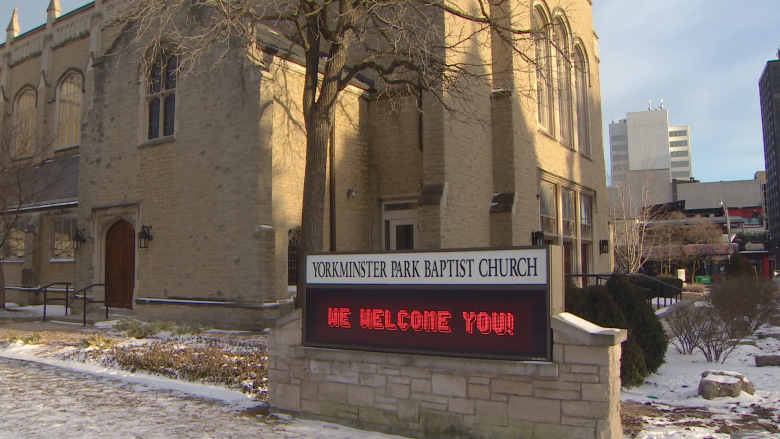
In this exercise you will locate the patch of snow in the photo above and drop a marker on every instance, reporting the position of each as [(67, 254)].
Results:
[(14, 310), (676, 384), (725, 379), (106, 324), (584, 324)]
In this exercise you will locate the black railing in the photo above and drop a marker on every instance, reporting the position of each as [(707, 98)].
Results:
[(86, 299), (652, 288), (80, 294), (47, 289), (655, 288)]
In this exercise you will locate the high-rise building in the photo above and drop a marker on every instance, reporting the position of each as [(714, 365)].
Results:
[(769, 89), (645, 141)]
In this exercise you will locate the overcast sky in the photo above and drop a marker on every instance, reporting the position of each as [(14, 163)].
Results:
[(702, 57)]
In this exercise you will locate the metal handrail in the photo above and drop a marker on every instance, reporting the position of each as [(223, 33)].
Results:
[(46, 295), (75, 296), (643, 277), (84, 290), (637, 279)]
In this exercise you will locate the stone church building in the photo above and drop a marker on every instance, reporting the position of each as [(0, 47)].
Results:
[(180, 198)]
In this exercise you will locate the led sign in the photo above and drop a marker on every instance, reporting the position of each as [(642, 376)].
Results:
[(389, 302)]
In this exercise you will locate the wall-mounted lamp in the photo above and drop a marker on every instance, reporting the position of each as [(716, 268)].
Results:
[(78, 239), (537, 238), (604, 246), (351, 193), (144, 237)]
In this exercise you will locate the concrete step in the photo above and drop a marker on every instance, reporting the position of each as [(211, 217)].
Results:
[(92, 318), (116, 312)]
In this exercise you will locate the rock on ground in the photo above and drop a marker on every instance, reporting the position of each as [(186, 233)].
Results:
[(719, 383)]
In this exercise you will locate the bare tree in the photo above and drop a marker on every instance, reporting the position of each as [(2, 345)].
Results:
[(697, 231), (630, 216), (675, 238), (430, 48), (22, 183)]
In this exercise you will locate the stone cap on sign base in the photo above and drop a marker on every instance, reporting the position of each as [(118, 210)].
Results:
[(586, 332), (287, 318)]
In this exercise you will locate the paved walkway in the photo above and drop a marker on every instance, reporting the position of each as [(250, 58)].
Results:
[(41, 401)]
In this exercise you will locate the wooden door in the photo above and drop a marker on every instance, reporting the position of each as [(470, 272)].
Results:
[(120, 265)]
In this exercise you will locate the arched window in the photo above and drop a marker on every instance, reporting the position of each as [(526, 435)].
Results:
[(161, 97), (563, 76), (24, 124), (69, 116), (581, 90), (543, 73)]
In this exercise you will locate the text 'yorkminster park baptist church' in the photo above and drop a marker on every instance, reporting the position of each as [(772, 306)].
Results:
[(426, 266)]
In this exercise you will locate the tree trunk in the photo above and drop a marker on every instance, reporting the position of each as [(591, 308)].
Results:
[(2, 288), (314, 184)]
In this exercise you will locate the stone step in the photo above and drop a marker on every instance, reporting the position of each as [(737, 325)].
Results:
[(116, 311), (92, 318)]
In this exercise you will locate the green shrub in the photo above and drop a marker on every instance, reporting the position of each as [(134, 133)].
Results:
[(596, 305), (162, 326), (661, 290), (98, 340), (738, 266), (128, 325), (26, 338), (136, 328), (643, 325), (191, 330), (575, 299)]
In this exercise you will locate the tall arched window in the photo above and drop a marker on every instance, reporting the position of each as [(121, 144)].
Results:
[(161, 97), (563, 76), (581, 90), (543, 83), (69, 116), (24, 124)]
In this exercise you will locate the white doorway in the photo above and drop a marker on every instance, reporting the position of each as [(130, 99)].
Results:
[(399, 223)]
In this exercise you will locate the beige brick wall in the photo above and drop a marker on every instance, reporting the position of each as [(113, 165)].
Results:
[(493, 146), (200, 192)]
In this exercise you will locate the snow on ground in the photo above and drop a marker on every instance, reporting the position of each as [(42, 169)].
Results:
[(14, 311), (677, 381), (167, 407), (668, 400)]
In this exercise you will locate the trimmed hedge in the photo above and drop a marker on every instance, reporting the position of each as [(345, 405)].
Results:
[(664, 291), (620, 304)]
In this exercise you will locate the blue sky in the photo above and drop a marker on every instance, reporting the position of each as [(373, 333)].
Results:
[(702, 57)]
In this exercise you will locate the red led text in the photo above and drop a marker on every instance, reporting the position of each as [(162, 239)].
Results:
[(501, 323), (384, 320), (339, 317)]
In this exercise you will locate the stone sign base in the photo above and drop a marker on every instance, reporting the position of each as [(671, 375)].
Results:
[(577, 395)]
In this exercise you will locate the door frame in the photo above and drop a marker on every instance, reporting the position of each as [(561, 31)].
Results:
[(402, 222), (102, 220), (397, 218)]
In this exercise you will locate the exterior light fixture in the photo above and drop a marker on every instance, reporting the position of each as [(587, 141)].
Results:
[(78, 239), (537, 238), (604, 246), (144, 237), (351, 193)]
